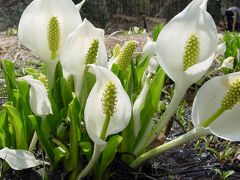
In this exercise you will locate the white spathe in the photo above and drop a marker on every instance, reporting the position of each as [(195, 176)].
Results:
[(76, 47), (94, 116), (20, 159), (194, 19), (221, 48), (38, 97), (208, 101), (228, 63), (149, 48), (33, 25)]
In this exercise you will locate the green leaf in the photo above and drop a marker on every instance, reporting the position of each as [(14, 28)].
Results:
[(18, 125), (25, 110), (140, 69), (43, 138), (9, 76), (5, 138), (86, 148), (150, 105), (58, 71), (108, 155), (74, 116), (66, 93), (89, 80)]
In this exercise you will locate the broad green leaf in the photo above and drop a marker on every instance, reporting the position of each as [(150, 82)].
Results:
[(140, 69), (88, 82), (18, 125), (108, 155), (44, 139), (58, 71), (9, 76), (150, 105), (25, 110), (86, 148), (5, 138), (74, 116)]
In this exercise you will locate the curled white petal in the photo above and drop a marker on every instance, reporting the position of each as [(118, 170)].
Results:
[(94, 116), (33, 25), (20, 159), (39, 102), (76, 47), (171, 42), (208, 101)]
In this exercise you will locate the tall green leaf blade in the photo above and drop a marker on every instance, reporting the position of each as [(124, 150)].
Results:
[(108, 155), (74, 116), (9, 76), (18, 125)]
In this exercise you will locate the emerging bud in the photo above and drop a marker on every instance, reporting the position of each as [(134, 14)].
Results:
[(125, 55), (232, 96), (53, 36), (116, 50), (91, 56), (109, 99), (191, 51)]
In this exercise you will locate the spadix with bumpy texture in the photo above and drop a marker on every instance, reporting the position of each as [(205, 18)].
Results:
[(54, 36), (108, 107), (116, 50), (191, 52), (232, 96), (125, 56), (217, 108), (109, 99), (186, 46), (91, 56)]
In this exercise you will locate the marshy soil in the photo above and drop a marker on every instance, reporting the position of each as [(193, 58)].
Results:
[(185, 162)]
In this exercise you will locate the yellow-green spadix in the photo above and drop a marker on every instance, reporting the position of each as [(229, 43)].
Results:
[(97, 107)]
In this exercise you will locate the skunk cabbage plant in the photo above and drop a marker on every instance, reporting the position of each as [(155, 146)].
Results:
[(44, 27), (85, 45), (221, 115)]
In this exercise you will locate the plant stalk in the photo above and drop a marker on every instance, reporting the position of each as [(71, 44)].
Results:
[(150, 136), (96, 153), (194, 133)]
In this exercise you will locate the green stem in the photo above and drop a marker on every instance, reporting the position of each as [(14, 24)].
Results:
[(51, 67), (96, 153), (78, 83), (105, 127), (194, 133), (208, 121), (33, 142), (148, 138)]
